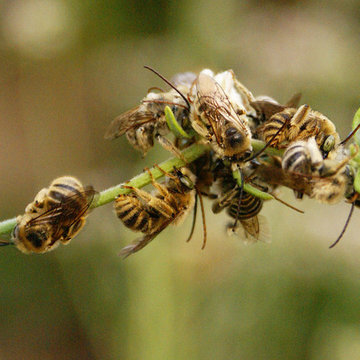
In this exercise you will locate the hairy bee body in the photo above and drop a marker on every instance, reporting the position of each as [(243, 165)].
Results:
[(250, 206), (245, 209), (218, 116), (151, 213), (291, 124), (327, 180), (147, 121), (56, 215)]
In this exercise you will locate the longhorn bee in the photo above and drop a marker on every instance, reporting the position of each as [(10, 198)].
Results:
[(149, 213), (296, 124), (147, 121), (56, 215), (220, 117)]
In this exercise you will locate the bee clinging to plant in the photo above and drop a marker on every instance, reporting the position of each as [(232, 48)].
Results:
[(56, 215), (222, 122), (147, 121), (150, 214), (291, 124)]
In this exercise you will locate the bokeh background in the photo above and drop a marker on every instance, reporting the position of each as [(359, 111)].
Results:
[(67, 68)]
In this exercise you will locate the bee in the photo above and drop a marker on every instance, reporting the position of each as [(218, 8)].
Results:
[(147, 121), (219, 117), (287, 124), (150, 214), (56, 215), (246, 211), (305, 171)]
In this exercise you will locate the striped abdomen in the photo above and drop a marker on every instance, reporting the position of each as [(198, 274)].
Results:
[(64, 190), (272, 126), (250, 206), (297, 159), (135, 216)]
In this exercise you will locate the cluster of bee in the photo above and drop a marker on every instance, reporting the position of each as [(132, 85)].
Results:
[(217, 110)]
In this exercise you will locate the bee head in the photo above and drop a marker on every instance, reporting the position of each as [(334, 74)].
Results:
[(237, 144)]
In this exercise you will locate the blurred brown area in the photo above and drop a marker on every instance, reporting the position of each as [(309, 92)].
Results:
[(67, 68)]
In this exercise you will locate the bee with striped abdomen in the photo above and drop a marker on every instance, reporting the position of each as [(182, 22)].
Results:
[(152, 213), (327, 179), (56, 215), (245, 208), (288, 124)]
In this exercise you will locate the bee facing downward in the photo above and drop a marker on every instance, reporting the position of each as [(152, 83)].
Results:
[(221, 122), (56, 215), (152, 213)]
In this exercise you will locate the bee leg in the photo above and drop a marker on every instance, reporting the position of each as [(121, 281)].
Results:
[(169, 146), (152, 201), (296, 122), (161, 188)]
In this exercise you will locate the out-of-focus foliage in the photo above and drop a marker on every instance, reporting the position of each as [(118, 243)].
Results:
[(67, 68)]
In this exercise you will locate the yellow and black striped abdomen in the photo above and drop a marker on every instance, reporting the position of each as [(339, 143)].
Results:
[(66, 189), (250, 206), (131, 211), (274, 124)]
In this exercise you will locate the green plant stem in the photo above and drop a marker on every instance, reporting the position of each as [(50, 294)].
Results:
[(190, 154)]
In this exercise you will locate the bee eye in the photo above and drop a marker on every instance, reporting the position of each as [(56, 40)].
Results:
[(329, 143), (234, 137), (187, 182), (36, 239), (230, 131)]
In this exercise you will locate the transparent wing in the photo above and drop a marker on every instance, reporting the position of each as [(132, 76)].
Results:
[(66, 212), (130, 119)]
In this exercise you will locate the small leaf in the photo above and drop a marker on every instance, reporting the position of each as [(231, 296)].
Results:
[(357, 182), (355, 123), (250, 189), (173, 125)]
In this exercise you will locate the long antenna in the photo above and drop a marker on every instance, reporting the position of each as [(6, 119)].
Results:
[(350, 135), (345, 227), (169, 83)]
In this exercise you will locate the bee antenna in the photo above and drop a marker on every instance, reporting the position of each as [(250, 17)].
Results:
[(351, 134), (194, 219), (169, 83), (203, 217), (345, 226), (288, 205)]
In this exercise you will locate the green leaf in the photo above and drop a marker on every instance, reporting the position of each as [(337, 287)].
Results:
[(357, 182), (250, 189), (355, 123), (173, 125)]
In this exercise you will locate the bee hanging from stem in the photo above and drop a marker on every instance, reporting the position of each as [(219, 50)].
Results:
[(152, 213)]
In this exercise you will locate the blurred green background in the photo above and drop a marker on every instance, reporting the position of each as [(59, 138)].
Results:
[(67, 68)]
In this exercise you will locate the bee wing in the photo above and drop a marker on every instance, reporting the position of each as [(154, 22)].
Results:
[(67, 209), (142, 242), (210, 92), (130, 119), (267, 108), (294, 101), (256, 229)]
